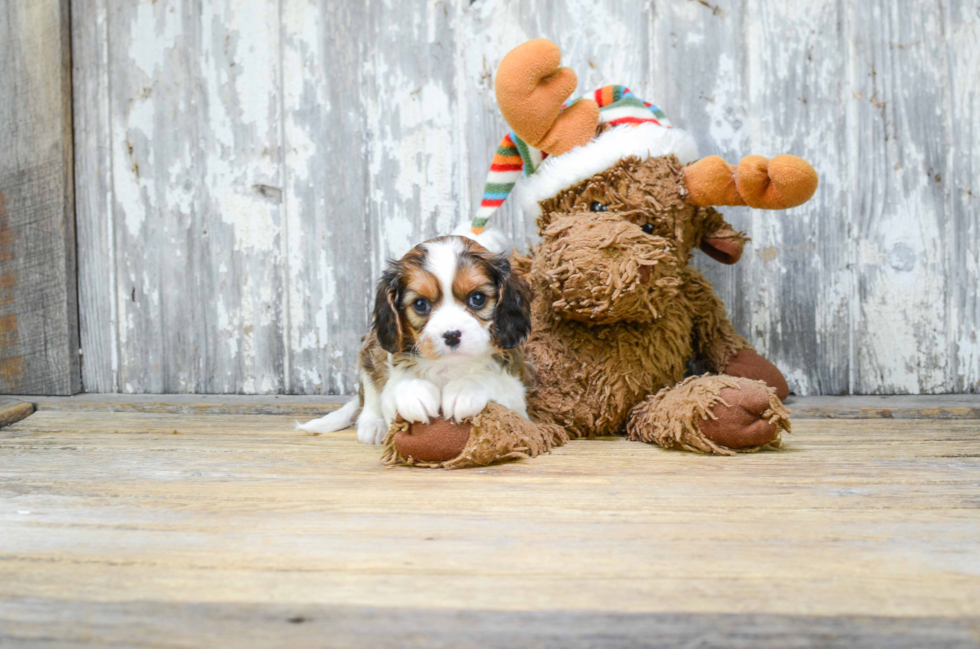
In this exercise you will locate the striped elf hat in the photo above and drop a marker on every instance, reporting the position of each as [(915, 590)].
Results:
[(652, 135)]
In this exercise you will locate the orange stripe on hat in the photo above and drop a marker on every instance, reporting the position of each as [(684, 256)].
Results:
[(607, 96), (507, 160)]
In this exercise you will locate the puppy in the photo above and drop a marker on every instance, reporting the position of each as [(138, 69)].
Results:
[(449, 320)]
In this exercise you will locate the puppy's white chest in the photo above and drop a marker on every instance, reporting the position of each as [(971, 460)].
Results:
[(448, 370)]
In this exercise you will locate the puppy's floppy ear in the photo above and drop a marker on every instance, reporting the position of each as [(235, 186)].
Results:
[(512, 315), (387, 323)]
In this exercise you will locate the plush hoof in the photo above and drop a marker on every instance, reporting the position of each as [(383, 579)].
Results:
[(749, 364), (438, 441), (715, 414), (740, 424), (493, 436)]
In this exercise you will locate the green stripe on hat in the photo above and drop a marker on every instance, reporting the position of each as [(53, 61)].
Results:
[(497, 188), (628, 101), (529, 167)]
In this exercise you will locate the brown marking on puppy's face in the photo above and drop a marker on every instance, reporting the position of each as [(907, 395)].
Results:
[(505, 295), (421, 286), (473, 287), (450, 296)]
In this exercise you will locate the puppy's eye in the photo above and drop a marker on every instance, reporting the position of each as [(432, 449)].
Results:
[(648, 228), (597, 207), (477, 300), (421, 306)]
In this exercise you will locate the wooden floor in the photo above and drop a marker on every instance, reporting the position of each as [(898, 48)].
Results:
[(162, 529)]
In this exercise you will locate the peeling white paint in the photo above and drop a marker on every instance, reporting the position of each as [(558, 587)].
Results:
[(253, 221), (154, 30), (728, 127), (131, 186), (230, 209), (798, 381)]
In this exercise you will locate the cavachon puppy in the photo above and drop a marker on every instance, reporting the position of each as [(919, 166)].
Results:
[(449, 320)]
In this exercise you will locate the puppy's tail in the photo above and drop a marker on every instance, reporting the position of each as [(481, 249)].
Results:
[(490, 238), (336, 420)]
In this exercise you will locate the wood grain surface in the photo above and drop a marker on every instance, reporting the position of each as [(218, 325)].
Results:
[(57, 623), (39, 338), (13, 410), (950, 406), (166, 528), (245, 169)]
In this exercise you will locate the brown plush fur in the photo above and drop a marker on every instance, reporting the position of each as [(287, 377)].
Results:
[(738, 413), (619, 311)]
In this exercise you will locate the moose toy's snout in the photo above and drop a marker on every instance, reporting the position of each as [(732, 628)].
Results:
[(604, 269)]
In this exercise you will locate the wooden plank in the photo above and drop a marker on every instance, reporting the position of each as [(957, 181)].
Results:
[(951, 406), (194, 404), (196, 158), (13, 410), (794, 295), (962, 29), (38, 297), (191, 514), (826, 407), (98, 319), (898, 83), (409, 100), (330, 241), (55, 622)]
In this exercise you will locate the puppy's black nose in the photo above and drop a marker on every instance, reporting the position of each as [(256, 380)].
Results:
[(452, 338)]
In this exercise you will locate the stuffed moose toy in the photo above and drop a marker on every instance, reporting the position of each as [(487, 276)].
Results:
[(618, 312)]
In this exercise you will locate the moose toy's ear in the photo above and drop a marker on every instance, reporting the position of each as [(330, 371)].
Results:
[(723, 245), (531, 89)]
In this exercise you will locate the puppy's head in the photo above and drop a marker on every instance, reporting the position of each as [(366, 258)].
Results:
[(451, 297)]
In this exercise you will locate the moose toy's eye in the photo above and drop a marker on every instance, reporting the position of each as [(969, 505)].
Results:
[(477, 300), (597, 207), (648, 228), (421, 306)]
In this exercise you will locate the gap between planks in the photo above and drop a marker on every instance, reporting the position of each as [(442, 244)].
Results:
[(952, 406)]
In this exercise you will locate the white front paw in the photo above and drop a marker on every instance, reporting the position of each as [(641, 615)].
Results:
[(417, 400), (463, 399), (371, 430)]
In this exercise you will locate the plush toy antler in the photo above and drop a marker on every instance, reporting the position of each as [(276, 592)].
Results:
[(783, 182), (530, 91)]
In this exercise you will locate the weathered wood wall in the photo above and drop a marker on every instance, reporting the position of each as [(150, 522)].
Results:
[(244, 168), (38, 296)]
